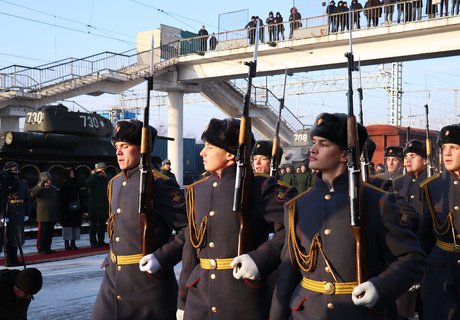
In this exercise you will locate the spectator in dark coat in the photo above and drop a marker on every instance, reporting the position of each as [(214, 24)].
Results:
[(294, 21), (47, 198), (71, 212), (331, 11), (356, 7), (203, 33), (213, 42), (279, 26), (270, 21), (98, 205)]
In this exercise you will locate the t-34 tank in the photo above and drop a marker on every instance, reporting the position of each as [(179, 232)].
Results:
[(55, 138)]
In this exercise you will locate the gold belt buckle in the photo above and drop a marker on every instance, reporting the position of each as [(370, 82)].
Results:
[(212, 264), (329, 288)]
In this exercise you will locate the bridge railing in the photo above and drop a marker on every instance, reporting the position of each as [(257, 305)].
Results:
[(18, 77)]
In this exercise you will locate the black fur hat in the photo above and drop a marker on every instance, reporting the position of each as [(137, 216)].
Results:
[(130, 131), (449, 134), (417, 147), (224, 134), (333, 126), (265, 148), (29, 280), (394, 151), (10, 165)]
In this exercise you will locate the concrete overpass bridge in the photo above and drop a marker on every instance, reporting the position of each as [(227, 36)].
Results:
[(183, 67)]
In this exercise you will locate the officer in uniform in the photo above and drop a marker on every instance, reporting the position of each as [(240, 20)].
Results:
[(394, 164), (136, 286), (440, 235), (408, 187), (317, 275), (18, 211), (216, 282)]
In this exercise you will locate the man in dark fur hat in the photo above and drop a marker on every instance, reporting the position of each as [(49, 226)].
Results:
[(440, 235), (136, 286), (262, 156), (317, 275), (394, 162), (215, 281)]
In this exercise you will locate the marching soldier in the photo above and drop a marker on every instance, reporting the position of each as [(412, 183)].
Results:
[(126, 291), (394, 166), (262, 156), (440, 235), (317, 275), (408, 186), (215, 281), (18, 212)]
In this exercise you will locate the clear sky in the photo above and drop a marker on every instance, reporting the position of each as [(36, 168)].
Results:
[(39, 32)]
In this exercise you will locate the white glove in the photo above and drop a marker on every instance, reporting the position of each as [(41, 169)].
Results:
[(365, 295), (4, 220), (179, 314), (149, 263), (26, 218), (245, 267)]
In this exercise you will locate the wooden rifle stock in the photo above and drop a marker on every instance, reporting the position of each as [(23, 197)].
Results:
[(243, 157)]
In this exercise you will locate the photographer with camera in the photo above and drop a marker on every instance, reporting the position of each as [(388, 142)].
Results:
[(15, 211), (47, 211)]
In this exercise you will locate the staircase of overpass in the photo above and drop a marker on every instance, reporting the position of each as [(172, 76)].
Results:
[(312, 47)]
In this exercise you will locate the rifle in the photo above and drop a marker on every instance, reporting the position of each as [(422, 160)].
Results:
[(145, 167), (364, 155), (276, 140), (353, 168), (243, 156), (429, 167)]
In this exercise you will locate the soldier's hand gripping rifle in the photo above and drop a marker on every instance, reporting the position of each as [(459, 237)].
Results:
[(243, 156), (429, 167), (276, 140), (353, 169), (146, 178)]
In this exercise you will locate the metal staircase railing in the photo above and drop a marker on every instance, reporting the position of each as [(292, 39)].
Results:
[(264, 98)]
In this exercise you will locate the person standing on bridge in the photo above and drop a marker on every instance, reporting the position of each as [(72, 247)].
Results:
[(294, 21), (203, 33), (279, 26), (136, 286)]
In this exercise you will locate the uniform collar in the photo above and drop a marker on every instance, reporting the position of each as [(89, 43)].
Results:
[(131, 172)]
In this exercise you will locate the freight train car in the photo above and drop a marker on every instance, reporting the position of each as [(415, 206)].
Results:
[(385, 135)]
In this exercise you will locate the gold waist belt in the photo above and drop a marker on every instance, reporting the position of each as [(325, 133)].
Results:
[(129, 259), (446, 246), (15, 201), (328, 287), (216, 264)]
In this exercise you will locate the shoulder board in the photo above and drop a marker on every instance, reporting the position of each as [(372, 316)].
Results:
[(115, 176), (371, 186), (159, 175), (199, 181), (284, 184), (298, 196), (428, 180)]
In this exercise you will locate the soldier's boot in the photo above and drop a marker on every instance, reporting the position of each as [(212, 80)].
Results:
[(67, 245), (72, 245)]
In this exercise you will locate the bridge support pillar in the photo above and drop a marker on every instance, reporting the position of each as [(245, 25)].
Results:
[(175, 130)]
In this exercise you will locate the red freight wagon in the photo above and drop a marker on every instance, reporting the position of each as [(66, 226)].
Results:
[(385, 135)]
